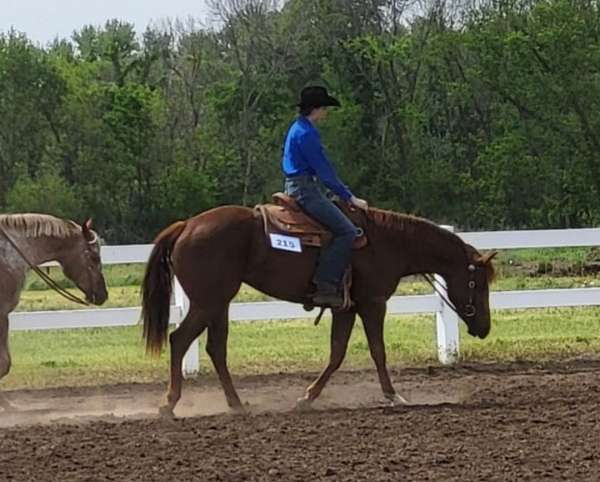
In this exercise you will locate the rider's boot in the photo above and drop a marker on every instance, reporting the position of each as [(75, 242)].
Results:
[(328, 295)]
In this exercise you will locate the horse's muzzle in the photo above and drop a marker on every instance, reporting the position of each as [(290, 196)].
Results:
[(98, 298)]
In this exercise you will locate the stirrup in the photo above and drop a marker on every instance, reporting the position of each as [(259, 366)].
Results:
[(334, 300)]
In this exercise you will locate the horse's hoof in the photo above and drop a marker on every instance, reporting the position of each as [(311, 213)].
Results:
[(395, 400), (303, 404), (166, 412), (241, 409)]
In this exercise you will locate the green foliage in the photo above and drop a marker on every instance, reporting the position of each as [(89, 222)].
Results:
[(31, 93), (184, 192), (481, 116), (49, 194)]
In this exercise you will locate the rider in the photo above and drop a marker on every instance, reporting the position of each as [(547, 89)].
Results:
[(305, 166)]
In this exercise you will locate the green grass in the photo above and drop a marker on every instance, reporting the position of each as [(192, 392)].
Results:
[(111, 355), (119, 296), (508, 263), (516, 270), (116, 355), (115, 275), (545, 255), (124, 296)]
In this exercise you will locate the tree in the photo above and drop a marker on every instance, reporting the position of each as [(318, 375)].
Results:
[(31, 92)]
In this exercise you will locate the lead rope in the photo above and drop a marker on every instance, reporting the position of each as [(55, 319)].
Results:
[(47, 279)]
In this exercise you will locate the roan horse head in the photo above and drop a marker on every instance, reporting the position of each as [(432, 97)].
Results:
[(468, 290), (81, 263)]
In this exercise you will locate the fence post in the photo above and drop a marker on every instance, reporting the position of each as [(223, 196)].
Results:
[(446, 324), (191, 362)]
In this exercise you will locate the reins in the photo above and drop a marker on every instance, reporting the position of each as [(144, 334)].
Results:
[(470, 308), (47, 279)]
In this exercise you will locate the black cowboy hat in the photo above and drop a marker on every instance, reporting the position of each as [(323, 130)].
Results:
[(317, 96)]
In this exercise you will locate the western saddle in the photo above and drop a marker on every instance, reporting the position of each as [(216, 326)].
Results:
[(284, 216)]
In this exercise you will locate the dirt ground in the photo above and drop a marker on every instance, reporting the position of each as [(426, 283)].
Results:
[(471, 423)]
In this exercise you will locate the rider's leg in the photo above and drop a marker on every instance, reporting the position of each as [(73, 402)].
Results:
[(336, 256)]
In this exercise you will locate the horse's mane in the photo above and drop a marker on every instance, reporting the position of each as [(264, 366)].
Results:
[(36, 225), (409, 224)]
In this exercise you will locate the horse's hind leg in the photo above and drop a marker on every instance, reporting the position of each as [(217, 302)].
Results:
[(4, 358), (216, 347), (341, 328), (180, 340)]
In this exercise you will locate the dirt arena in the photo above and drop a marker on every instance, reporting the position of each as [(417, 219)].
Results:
[(472, 423)]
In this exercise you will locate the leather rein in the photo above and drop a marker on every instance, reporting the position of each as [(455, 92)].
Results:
[(47, 279)]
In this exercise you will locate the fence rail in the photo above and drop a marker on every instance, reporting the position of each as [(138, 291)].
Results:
[(446, 319)]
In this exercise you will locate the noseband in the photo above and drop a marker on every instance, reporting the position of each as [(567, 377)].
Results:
[(469, 311), (94, 239)]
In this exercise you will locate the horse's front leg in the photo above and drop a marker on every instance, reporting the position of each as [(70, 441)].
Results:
[(341, 328), (4, 358), (216, 346), (373, 316)]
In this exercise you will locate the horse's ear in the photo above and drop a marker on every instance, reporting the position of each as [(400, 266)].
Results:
[(87, 225), (86, 229), (487, 257)]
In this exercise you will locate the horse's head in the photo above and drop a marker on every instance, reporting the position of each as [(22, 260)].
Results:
[(468, 289), (82, 265)]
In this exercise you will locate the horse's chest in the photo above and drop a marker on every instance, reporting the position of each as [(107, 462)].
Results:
[(10, 288), (12, 279), (10, 259)]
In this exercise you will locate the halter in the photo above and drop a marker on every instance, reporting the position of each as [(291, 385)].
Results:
[(94, 239), (470, 310), (49, 281)]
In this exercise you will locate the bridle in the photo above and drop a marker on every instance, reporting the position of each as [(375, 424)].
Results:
[(47, 279), (470, 310)]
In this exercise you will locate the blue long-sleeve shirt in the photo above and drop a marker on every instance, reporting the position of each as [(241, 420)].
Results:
[(304, 154)]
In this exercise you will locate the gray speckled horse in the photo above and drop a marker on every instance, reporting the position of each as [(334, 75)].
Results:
[(43, 238)]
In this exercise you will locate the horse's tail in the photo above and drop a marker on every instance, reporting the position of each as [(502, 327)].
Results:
[(157, 288)]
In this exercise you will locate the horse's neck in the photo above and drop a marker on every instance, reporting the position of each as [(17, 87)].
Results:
[(36, 250), (425, 248)]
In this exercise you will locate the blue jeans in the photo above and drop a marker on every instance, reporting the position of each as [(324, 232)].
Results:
[(337, 255)]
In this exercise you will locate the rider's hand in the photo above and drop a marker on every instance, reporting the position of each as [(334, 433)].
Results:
[(359, 203)]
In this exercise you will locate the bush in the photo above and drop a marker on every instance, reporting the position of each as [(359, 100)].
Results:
[(48, 194), (184, 192)]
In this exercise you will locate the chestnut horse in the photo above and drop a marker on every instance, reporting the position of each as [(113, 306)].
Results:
[(213, 253), (36, 239)]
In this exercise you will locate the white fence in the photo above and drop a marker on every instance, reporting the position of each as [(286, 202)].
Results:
[(446, 319)]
